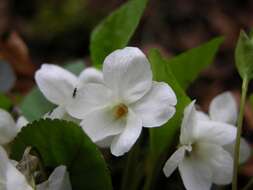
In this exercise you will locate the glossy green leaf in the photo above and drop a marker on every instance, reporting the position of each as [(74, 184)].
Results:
[(187, 66), (163, 137), (115, 31), (244, 55), (64, 143), (35, 105)]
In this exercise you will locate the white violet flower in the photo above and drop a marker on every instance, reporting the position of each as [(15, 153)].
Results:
[(10, 177), (58, 180), (114, 112), (201, 158), (223, 108), (8, 128), (59, 86)]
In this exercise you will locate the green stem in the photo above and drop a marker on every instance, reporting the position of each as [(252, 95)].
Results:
[(239, 131), (132, 174), (247, 187)]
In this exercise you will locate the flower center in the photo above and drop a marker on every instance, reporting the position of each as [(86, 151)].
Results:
[(120, 111)]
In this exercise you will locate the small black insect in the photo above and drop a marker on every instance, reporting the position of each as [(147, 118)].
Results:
[(74, 93)]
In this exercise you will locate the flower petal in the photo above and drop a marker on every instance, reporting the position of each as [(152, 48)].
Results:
[(215, 132), (89, 98), (188, 124), (58, 180), (127, 72), (106, 142), (195, 174), (21, 122), (56, 83), (16, 180), (90, 75), (202, 116), (245, 150), (8, 129), (219, 161), (10, 177), (101, 124), (60, 113), (224, 108), (124, 142), (173, 162), (157, 106)]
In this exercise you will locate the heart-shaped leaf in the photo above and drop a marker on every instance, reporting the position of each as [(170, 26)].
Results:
[(64, 143)]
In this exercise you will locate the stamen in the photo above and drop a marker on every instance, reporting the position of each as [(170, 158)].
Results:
[(120, 111)]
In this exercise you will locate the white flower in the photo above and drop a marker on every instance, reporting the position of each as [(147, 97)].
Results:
[(114, 113), (58, 180), (8, 128), (223, 108), (59, 86), (201, 158), (10, 177)]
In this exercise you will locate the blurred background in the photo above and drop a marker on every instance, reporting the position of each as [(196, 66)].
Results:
[(57, 31)]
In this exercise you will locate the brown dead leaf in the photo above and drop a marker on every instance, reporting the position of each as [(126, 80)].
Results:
[(14, 50)]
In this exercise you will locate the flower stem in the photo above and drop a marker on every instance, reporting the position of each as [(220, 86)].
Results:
[(132, 174), (239, 131), (247, 187)]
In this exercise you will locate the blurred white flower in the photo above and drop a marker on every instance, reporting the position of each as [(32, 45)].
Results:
[(8, 128), (223, 108), (201, 158), (10, 177), (114, 113), (58, 180), (59, 86)]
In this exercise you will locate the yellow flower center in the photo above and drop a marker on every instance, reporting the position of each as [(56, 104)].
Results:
[(120, 111)]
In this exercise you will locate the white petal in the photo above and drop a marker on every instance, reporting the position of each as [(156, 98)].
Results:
[(195, 174), (188, 124), (173, 162), (89, 98), (60, 113), (219, 161), (58, 180), (16, 180), (127, 72), (56, 83), (223, 108), (245, 150), (57, 113), (10, 177), (202, 116), (215, 132), (8, 129), (3, 168), (106, 142), (124, 142), (157, 106), (90, 75), (21, 122), (101, 124)]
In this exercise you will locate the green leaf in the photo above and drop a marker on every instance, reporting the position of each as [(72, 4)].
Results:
[(64, 143), (244, 55), (115, 31), (5, 102), (187, 66), (163, 137), (35, 105)]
